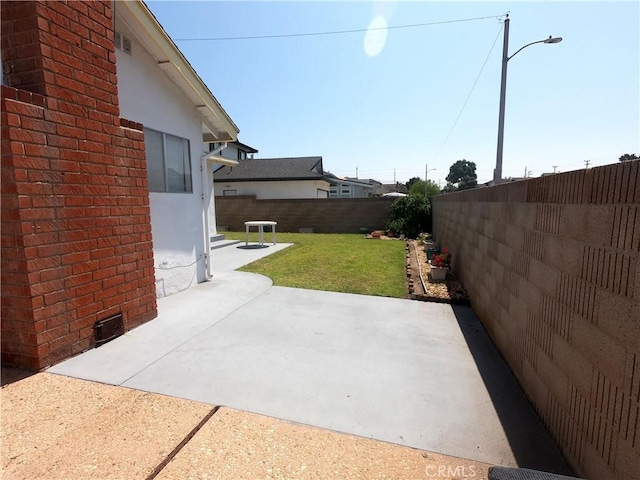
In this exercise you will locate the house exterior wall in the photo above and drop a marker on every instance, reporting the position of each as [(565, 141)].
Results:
[(333, 215), (360, 192), (230, 151), (276, 189), (76, 230), (148, 96), (354, 191), (552, 266)]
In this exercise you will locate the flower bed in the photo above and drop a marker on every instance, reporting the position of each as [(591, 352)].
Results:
[(422, 287)]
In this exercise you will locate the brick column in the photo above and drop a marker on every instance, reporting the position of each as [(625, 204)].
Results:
[(76, 227)]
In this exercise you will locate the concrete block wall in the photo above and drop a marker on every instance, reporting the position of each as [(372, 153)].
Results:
[(328, 215), (552, 266), (76, 228)]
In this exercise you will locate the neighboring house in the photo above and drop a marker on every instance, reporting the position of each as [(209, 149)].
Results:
[(348, 187), (383, 188), (104, 206), (233, 150), (158, 88), (273, 178)]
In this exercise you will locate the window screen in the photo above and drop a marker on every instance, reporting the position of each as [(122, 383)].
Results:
[(168, 162)]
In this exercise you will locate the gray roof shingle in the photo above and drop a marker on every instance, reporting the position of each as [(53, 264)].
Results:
[(299, 168)]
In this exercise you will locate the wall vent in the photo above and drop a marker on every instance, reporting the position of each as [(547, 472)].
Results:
[(108, 329), (122, 43), (126, 45)]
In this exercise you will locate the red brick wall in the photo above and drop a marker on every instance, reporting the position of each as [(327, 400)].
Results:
[(76, 231), (552, 266)]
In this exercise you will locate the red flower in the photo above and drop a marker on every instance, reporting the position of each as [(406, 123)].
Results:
[(441, 259)]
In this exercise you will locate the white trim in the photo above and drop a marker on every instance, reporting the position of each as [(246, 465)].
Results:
[(153, 37)]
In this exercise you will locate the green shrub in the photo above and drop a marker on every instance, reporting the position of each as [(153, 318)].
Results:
[(409, 216)]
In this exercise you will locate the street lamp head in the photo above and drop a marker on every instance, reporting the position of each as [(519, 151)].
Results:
[(497, 173)]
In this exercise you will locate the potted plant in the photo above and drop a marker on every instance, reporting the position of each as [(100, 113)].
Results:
[(440, 263), (430, 246)]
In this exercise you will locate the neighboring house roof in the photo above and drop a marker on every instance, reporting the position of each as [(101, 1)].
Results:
[(369, 181), (335, 180), (138, 17), (299, 168), (245, 147)]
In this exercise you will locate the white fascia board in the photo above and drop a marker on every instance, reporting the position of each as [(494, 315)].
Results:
[(170, 59)]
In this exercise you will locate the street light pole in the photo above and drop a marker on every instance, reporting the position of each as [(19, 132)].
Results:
[(497, 173)]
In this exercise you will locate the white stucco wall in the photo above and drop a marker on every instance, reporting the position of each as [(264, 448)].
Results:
[(349, 190), (272, 189), (148, 96)]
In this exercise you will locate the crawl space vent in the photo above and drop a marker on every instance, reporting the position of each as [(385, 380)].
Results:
[(108, 329)]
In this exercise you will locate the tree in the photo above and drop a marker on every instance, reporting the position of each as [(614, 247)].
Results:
[(628, 156), (409, 215), (417, 188), (449, 187), (412, 181), (462, 175)]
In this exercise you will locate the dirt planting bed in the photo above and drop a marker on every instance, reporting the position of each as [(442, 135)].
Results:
[(420, 286)]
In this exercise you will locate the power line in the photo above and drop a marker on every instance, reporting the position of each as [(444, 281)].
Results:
[(470, 92), (336, 32)]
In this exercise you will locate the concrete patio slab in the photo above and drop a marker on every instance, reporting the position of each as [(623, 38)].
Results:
[(389, 369), (199, 308), (424, 375), (236, 256)]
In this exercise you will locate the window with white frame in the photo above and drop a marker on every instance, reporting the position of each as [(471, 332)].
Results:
[(168, 162)]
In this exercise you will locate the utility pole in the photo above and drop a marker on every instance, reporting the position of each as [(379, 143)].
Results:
[(554, 168), (587, 162), (426, 184)]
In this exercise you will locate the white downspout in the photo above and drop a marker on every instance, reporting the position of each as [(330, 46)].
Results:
[(206, 184)]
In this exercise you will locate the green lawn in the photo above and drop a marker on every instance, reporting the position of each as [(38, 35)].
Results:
[(346, 263)]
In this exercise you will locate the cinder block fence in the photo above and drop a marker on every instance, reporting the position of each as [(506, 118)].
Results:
[(327, 215), (553, 271)]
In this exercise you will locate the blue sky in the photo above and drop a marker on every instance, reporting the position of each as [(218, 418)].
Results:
[(393, 112)]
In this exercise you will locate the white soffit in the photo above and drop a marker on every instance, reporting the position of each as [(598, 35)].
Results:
[(150, 33)]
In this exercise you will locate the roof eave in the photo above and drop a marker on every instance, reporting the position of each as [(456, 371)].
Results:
[(262, 179), (246, 147), (176, 66)]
